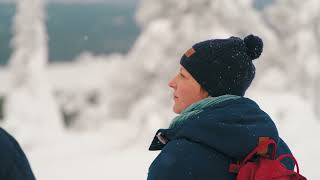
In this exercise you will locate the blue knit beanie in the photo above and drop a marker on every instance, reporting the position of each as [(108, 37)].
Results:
[(223, 66)]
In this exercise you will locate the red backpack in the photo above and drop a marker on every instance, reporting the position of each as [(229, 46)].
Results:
[(265, 168)]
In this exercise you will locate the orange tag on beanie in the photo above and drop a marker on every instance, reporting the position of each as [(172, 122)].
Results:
[(190, 52)]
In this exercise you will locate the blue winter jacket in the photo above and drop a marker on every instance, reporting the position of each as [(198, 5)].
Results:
[(13, 162), (207, 143)]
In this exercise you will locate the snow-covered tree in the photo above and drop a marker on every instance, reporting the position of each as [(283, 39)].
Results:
[(29, 105)]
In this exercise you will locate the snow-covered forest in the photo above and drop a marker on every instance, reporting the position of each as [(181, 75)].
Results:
[(94, 118)]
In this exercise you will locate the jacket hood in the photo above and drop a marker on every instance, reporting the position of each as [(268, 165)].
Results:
[(231, 127)]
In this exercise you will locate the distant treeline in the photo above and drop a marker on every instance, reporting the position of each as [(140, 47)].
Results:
[(74, 28)]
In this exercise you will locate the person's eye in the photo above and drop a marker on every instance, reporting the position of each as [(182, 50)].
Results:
[(182, 75)]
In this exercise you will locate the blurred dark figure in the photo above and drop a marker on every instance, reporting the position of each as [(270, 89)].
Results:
[(14, 164)]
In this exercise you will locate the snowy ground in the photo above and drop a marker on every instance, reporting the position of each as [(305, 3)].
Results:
[(91, 156)]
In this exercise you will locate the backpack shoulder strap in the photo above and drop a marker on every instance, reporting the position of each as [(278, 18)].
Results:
[(261, 149)]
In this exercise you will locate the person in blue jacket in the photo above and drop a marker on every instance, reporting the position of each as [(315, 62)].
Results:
[(13, 162), (216, 125)]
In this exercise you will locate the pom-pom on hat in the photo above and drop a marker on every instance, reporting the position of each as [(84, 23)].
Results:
[(223, 66)]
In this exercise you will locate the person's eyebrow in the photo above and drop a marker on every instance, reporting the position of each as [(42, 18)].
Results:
[(182, 73)]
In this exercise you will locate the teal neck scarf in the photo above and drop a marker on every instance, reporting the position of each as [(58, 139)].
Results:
[(198, 107)]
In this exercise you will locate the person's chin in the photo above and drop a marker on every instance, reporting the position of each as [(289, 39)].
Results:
[(176, 110)]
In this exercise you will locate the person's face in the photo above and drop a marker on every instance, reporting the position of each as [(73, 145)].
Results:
[(186, 90)]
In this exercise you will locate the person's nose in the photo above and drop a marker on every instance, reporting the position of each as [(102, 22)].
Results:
[(172, 83)]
